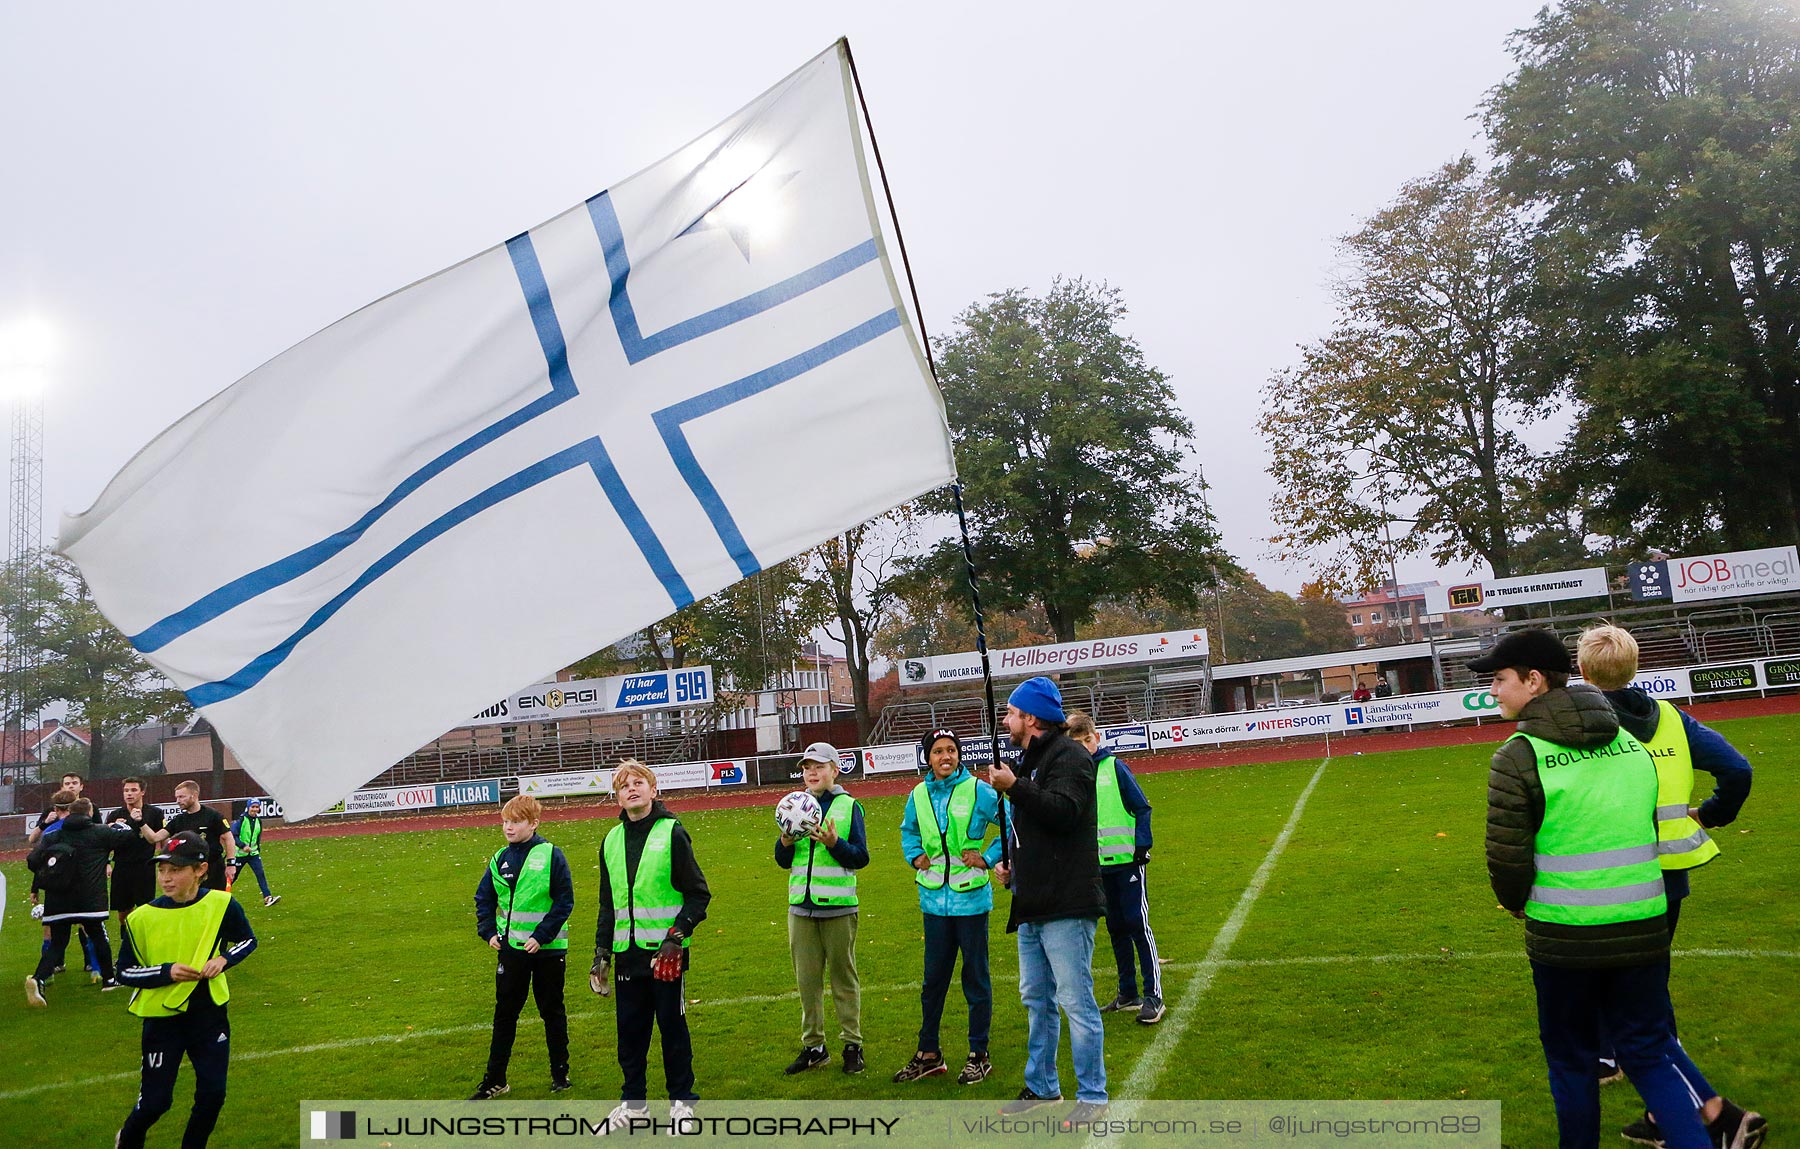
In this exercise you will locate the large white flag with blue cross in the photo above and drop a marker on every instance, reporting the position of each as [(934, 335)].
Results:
[(701, 371)]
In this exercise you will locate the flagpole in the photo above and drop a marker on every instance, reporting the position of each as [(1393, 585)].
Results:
[(962, 519)]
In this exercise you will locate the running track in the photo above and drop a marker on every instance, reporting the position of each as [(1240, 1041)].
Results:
[(1294, 750)]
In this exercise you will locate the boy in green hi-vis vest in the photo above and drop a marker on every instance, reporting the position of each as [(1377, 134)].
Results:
[(522, 909), (249, 831), (652, 897), (1124, 842), (174, 956), (1571, 848), (822, 912)]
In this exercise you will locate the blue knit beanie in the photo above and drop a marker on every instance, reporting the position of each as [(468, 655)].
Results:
[(1039, 698)]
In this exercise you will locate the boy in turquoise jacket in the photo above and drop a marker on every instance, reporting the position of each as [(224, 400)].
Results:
[(946, 818)]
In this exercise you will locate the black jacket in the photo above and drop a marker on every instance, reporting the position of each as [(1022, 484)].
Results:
[(684, 874), (1579, 717), (93, 846), (512, 861), (1055, 848)]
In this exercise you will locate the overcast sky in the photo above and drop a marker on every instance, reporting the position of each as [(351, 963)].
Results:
[(189, 189)]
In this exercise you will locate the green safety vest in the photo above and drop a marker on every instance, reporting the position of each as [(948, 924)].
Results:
[(1118, 826), (526, 902), (1596, 851), (250, 845), (187, 934), (829, 883), (943, 845), (643, 910), (1681, 842)]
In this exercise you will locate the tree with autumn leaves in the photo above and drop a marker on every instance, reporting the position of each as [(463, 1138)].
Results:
[(1628, 260)]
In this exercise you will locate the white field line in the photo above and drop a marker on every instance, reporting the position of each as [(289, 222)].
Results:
[(772, 998), (1155, 1059)]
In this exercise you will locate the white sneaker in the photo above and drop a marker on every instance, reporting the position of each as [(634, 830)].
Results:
[(34, 991), (679, 1112), (624, 1113), (271, 899)]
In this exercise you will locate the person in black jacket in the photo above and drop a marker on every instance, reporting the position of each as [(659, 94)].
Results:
[(78, 898), (522, 908), (50, 819), (645, 961), (134, 868), (1054, 875)]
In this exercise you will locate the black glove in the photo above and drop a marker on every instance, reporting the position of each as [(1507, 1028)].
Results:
[(1141, 858)]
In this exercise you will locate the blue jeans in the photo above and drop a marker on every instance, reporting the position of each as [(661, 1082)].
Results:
[(944, 937), (1632, 1005), (1056, 968), (254, 861)]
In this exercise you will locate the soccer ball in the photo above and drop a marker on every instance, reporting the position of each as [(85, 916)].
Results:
[(37, 912), (798, 813)]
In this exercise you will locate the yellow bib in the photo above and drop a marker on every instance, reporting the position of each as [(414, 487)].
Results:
[(187, 934), (1681, 842)]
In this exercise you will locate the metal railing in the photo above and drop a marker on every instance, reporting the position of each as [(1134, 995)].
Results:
[(1727, 642)]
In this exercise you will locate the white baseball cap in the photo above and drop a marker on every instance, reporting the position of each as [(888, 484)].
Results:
[(820, 752)]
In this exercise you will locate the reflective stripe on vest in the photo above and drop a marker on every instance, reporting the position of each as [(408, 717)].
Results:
[(187, 934), (945, 846), (1596, 851), (1680, 840), (828, 883), (250, 844), (645, 908), (1118, 826), (526, 902)]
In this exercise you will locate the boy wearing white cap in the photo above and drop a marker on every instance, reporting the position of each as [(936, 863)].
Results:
[(822, 912)]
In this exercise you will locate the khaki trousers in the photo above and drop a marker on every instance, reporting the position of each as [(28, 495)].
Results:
[(818, 944)]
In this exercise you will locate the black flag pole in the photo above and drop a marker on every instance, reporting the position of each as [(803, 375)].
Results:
[(962, 519)]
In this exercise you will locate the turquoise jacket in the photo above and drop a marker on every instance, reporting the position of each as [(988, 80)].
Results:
[(946, 902)]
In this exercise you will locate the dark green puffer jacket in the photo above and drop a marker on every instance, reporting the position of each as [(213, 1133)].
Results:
[(1578, 717)]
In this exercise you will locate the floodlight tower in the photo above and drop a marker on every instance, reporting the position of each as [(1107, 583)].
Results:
[(26, 347)]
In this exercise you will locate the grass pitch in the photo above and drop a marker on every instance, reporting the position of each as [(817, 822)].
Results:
[(1369, 961)]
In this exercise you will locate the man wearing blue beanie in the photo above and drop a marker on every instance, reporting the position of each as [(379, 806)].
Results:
[(1054, 874)]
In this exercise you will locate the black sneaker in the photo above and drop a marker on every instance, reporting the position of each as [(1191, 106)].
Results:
[(109, 984), (1084, 1113), (1151, 1011), (921, 1066), (559, 1083), (975, 1069), (1643, 1131), (1608, 1072), (853, 1059), (1736, 1128), (490, 1090), (811, 1057), (1121, 1003), (1026, 1102)]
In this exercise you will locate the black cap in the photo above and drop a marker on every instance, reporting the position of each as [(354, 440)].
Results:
[(930, 740), (1529, 650), (186, 849)]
